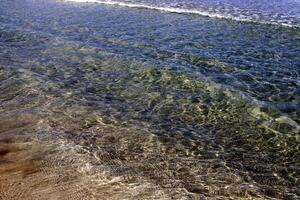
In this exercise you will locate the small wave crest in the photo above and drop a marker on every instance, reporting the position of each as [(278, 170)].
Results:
[(237, 15)]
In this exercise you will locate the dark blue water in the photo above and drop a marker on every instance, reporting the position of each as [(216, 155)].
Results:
[(159, 104), (281, 12)]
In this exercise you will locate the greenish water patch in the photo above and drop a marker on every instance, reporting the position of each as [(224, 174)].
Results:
[(166, 94)]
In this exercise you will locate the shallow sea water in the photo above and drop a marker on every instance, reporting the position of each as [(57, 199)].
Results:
[(108, 102)]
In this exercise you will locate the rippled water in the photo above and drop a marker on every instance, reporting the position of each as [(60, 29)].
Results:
[(283, 12), (105, 101)]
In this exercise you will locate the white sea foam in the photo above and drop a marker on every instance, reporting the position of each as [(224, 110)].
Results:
[(209, 13)]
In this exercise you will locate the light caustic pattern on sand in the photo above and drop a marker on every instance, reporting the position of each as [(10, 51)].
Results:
[(124, 131)]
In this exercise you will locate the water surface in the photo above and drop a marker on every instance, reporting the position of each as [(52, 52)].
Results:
[(133, 103)]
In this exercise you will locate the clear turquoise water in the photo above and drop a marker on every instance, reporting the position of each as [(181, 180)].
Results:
[(192, 104)]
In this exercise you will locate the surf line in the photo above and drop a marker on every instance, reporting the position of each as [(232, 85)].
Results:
[(180, 11)]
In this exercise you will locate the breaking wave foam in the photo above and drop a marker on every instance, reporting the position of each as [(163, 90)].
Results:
[(214, 14)]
